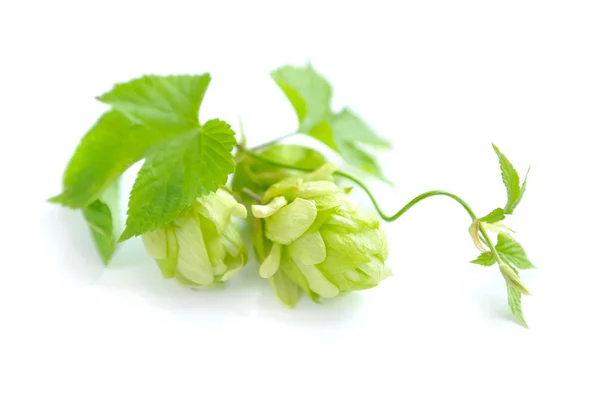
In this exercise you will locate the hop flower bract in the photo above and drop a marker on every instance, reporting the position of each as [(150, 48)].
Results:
[(203, 245)]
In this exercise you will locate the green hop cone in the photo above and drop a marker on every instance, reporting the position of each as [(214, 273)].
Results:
[(203, 246), (310, 235)]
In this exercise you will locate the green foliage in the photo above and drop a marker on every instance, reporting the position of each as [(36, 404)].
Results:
[(510, 177), (485, 258), (175, 173), (310, 95), (152, 117), (507, 253), (308, 92), (512, 252), (495, 216), (107, 150), (514, 303), (102, 217), (160, 102)]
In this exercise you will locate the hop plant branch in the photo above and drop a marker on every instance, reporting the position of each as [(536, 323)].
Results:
[(182, 209), (364, 187), (515, 287)]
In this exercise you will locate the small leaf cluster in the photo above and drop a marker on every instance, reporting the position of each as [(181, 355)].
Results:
[(507, 253)]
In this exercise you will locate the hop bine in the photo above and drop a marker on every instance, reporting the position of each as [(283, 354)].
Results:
[(308, 235)]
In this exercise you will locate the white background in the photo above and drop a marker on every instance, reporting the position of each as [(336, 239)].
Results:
[(441, 80)]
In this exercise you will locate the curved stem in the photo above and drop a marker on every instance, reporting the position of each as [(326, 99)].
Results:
[(252, 195), (418, 199), (408, 206), (490, 245), (388, 218)]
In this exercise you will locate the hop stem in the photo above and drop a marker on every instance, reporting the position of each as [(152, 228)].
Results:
[(391, 218), (252, 195), (383, 215), (388, 218)]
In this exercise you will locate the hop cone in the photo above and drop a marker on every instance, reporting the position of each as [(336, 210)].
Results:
[(203, 245), (309, 235)]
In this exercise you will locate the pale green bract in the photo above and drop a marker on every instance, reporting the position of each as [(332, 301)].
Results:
[(310, 236), (203, 246)]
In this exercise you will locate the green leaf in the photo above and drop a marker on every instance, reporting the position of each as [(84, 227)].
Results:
[(161, 102), (362, 160), (349, 132), (348, 127), (308, 92), (147, 110), (107, 150), (180, 169), (349, 135), (102, 217), (512, 252), (486, 259), (523, 188), (324, 132), (510, 177), (495, 216), (514, 302), (344, 132)]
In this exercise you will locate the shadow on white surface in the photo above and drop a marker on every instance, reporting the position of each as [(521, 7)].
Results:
[(133, 272), (246, 295), (329, 314), (71, 245), (495, 307)]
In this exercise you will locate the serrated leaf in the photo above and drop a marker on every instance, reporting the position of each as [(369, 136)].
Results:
[(349, 131), (348, 134), (160, 102), (485, 258), (510, 177), (523, 188), (308, 92), (349, 127), (356, 157), (324, 132), (495, 216), (107, 150), (512, 252), (176, 172), (344, 132), (514, 302), (102, 217)]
